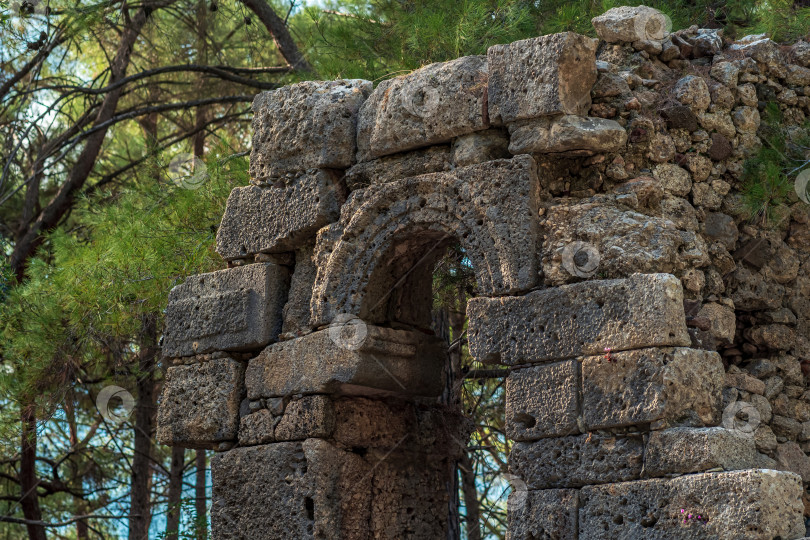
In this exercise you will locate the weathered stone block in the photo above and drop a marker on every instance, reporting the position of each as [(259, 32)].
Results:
[(577, 461), (549, 513), (689, 450), (257, 428), (387, 231), (306, 417), (626, 24), (372, 360), (279, 218), (306, 125), (428, 106), (230, 310), (314, 489), (199, 407), (398, 166), (481, 146), (644, 310), (667, 386), (569, 135), (543, 401), (614, 240), (542, 76), (296, 312), (743, 505), (280, 491)]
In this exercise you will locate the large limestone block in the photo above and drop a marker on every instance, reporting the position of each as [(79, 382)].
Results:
[(280, 491), (199, 407), (542, 76), (576, 461), (428, 106), (372, 360), (262, 219), (644, 310), (543, 401), (601, 236), (548, 513), (389, 236), (743, 505), (689, 450), (316, 490), (665, 386), (229, 310), (626, 24), (570, 135), (307, 125)]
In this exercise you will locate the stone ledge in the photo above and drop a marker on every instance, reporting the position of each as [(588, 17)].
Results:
[(378, 361), (644, 310), (231, 310)]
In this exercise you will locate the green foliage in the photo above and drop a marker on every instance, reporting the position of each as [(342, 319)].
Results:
[(381, 38), (90, 287), (769, 176)]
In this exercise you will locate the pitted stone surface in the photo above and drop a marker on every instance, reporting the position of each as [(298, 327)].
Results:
[(296, 311), (384, 360), (744, 505), (542, 76), (543, 401), (626, 24), (670, 386), (624, 241), (278, 218), (689, 450), (569, 135), (317, 491), (313, 489), (306, 125), (234, 309), (644, 310), (387, 231), (576, 461), (428, 106), (548, 513), (199, 407), (398, 166)]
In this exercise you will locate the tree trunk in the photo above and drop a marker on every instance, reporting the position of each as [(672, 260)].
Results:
[(175, 493), (199, 499), (28, 474), (473, 512), (50, 216), (280, 34), (140, 509)]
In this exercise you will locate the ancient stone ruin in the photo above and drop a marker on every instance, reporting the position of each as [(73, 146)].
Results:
[(656, 335)]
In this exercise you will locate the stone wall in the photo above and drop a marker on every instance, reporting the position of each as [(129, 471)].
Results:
[(657, 336)]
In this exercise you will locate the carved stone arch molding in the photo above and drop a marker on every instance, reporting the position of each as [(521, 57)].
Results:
[(388, 232)]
